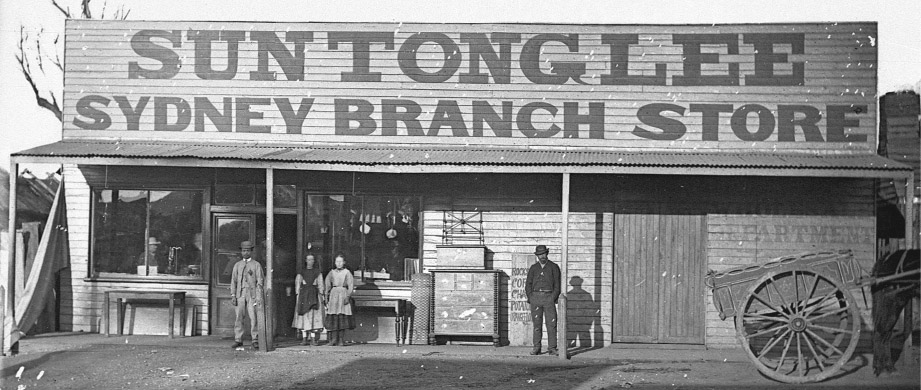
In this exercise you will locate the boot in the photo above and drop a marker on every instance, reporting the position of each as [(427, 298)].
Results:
[(331, 335), (315, 340), (341, 338), (304, 341)]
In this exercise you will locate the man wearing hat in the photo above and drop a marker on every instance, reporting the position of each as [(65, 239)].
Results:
[(148, 257), (246, 285), (543, 289)]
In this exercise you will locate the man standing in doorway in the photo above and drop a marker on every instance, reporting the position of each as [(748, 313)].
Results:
[(246, 285), (543, 289)]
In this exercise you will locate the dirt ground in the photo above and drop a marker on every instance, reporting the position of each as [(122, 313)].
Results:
[(139, 363)]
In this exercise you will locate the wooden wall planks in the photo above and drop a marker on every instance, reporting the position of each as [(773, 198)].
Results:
[(838, 69), (746, 223)]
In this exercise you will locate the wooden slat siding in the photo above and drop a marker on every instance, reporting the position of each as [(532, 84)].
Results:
[(731, 243), (518, 232), (655, 289), (730, 203), (82, 301), (840, 68)]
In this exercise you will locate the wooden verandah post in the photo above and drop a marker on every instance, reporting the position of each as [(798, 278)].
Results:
[(10, 309), (564, 273), (268, 326)]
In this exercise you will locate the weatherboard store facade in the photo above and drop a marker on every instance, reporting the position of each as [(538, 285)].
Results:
[(641, 155)]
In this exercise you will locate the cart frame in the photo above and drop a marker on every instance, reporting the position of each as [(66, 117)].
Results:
[(794, 315)]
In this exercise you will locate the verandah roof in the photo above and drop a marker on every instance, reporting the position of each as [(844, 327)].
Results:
[(435, 158)]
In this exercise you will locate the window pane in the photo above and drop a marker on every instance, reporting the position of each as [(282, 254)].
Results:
[(393, 235), (332, 228), (231, 231), (285, 196), (147, 233), (119, 221), (233, 194), (386, 226), (175, 221)]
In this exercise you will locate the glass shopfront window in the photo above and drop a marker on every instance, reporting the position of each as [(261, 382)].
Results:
[(373, 233), (147, 233), (249, 194)]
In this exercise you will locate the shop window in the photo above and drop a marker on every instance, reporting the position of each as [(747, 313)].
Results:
[(374, 233), (236, 194), (142, 233), (227, 194), (285, 196)]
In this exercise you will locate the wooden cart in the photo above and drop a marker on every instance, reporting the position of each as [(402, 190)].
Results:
[(794, 315)]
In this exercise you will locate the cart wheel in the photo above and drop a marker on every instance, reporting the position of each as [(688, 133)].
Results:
[(798, 326)]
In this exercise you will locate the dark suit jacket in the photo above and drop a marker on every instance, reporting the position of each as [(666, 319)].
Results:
[(534, 271)]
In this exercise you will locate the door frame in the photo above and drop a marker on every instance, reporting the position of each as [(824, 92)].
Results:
[(220, 292)]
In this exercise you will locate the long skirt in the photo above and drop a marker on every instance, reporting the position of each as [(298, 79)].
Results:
[(311, 320), (336, 322)]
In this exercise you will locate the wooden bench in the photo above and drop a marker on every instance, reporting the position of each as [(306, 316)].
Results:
[(122, 297)]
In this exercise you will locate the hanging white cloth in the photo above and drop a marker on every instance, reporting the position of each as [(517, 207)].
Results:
[(53, 254)]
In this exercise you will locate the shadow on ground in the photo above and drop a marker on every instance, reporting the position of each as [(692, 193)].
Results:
[(427, 372)]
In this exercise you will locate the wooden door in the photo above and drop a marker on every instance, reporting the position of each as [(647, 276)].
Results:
[(659, 264), (228, 231)]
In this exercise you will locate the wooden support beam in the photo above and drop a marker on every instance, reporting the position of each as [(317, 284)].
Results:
[(564, 274), (10, 310), (268, 326), (911, 238)]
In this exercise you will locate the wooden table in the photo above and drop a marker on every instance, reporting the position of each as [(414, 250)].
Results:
[(123, 296), (398, 305)]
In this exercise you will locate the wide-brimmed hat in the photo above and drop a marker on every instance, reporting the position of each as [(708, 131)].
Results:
[(541, 249), (247, 245), (153, 241)]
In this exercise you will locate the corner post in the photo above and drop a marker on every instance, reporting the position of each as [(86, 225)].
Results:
[(10, 309)]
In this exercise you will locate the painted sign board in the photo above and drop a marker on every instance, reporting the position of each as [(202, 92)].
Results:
[(519, 310), (768, 87)]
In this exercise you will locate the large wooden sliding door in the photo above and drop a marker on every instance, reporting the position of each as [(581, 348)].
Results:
[(659, 266)]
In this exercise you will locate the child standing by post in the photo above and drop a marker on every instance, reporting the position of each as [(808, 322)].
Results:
[(339, 287), (309, 311)]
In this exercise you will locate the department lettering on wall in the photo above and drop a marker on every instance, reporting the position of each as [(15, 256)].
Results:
[(605, 85), (811, 234)]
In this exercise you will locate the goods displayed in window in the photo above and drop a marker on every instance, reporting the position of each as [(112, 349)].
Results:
[(379, 232), (141, 233)]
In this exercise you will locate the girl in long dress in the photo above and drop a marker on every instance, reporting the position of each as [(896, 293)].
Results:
[(339, 288), (309, 311)]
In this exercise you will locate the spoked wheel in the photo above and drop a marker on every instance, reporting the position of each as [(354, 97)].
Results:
[(798, 326)]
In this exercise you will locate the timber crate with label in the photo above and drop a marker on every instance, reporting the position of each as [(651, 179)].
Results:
[(465, 303)]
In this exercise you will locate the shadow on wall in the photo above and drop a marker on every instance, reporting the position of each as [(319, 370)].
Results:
[(584, 321)]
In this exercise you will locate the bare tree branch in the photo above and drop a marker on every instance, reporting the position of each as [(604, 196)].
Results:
[(26, 68), (33, 54), (86, 9), (57, 56), (63, 11), (38, 48)]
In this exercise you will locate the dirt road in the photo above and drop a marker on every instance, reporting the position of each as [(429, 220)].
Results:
[(174, 365)]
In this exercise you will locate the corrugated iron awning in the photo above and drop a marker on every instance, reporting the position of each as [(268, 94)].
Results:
[(432, 158)]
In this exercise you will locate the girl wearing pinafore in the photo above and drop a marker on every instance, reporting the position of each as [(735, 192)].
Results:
[(309, 309), (339, 287)]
